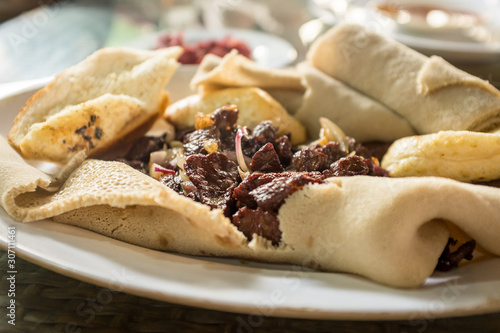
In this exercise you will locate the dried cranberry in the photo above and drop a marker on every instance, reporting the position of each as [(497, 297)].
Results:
[(258, 221), (266, 160)]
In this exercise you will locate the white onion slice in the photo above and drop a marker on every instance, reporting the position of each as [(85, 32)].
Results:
[(332, 132), (158, 157), (156, 171), (239, 152)]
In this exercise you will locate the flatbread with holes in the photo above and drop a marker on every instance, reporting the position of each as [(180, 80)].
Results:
[(389, 230), (430, 93), (113, 93)]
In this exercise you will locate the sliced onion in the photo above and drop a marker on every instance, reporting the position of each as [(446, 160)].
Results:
[(243, 174), (181, 160), (176, 144), (332, 132), (161, 169), (158, 157), (240, 157), (156, 171)]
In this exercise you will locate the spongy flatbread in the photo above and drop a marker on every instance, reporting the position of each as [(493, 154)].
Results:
[(307, 94), (359, 116), (235, 70), (461, 155), (73, 112), (382, 228), (430, 93), (254, 105)]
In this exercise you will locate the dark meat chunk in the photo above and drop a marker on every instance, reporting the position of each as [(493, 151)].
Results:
[(266, 160), (254, 180), (178, 185), (377, 171), (492, 183), (309, 160), (188, 187), (348, 166), (194, 141), (171, 182), (265, 132), (144, 146), (258, 221), (249, 145), (227, 139), (138, 165), (333, 151), (449, 260), (283, 148), (180, 134), (225, 117), (272, 195), (377, 148), (215, 177), (359, 148)]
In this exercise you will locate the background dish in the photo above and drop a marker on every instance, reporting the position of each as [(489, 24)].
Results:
[(267, 50), (456, 45), (240, 286)]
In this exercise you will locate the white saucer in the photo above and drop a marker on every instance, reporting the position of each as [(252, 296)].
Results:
[(453, 45)]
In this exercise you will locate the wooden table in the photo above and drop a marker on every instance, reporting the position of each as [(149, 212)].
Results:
[(50, 302)]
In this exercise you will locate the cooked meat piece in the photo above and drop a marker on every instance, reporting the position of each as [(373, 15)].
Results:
[(266, 160)]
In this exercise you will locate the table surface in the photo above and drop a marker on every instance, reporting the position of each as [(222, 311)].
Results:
[(43, 42), (49, 302)]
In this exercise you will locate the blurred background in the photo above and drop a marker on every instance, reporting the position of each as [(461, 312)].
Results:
[(39, 38)]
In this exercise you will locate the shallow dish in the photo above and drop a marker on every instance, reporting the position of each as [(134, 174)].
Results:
[(240, 286), (267, 50), (456, 45)]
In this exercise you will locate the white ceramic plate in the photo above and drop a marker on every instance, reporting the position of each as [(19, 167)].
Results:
[(267, 50), (236, 286), (454, 45)]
